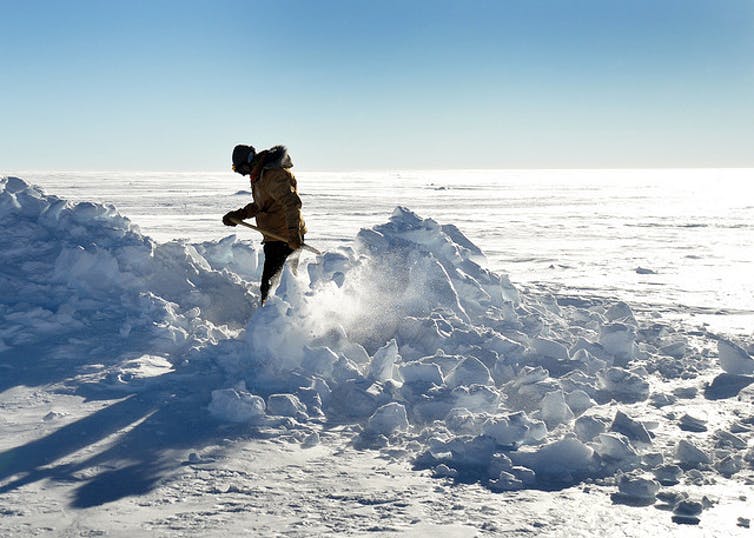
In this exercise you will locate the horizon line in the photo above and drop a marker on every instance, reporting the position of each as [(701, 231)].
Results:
[(370, 169)]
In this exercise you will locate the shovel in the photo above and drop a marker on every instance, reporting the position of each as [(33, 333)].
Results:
[(273, 235)]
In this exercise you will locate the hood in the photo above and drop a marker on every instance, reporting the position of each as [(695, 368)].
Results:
[(277, 157)]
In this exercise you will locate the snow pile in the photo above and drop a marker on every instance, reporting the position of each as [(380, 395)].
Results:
[(405, 336), (84, 279), (408, 336)]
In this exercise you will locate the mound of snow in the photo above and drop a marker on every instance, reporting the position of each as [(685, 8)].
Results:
[(77, 270)]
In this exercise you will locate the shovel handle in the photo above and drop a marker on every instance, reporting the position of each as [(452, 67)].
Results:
[(273, 235)]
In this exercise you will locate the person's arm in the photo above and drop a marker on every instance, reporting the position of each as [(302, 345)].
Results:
[(246, 212)]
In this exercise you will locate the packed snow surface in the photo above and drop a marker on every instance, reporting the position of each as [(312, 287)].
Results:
[(405, 338)]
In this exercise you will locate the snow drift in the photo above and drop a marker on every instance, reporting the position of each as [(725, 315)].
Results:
[(405, 336)]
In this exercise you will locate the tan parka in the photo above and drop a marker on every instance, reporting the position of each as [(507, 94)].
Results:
[(276, 205)]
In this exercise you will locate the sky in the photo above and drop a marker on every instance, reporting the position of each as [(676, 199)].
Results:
[(377, 84)]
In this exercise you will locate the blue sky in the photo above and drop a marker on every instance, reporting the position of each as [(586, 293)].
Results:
[(167, 85)]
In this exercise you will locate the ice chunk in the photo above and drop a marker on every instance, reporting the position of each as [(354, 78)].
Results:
[(388, 419), (345, 370), (470, 371), (734, 359), (587, 362), (514, 429), (319, 361), (637, 488), (730, 440), (443, 471), (555, 410), (561, 462), (477, 398), (233, 405), (354, 399), (579, 401), (615, 449), (618, 339), (587, 427), (676, 348), (311, 440), (623, 385), (418, 372), (530, 375), (461, 421), (506, 482), (550, 348), (668, 475), (620, 312), (689, 455), (685, 393), (631, 428), (692, 424), (688, 508), (661, 399), (286, 405), (382, 365), (729, 465)]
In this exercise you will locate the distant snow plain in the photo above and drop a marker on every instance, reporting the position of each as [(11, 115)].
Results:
[(677, 237)]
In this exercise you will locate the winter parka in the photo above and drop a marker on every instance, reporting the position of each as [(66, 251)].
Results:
[(276, 205)]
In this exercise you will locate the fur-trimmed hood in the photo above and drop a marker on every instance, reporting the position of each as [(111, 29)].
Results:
[(277, 157)]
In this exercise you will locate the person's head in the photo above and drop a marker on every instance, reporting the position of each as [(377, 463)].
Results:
[(243, 157)]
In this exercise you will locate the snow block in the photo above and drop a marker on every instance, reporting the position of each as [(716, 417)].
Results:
[(232, 405), (286, 405), (631, 428), (418, 372), (514, 429), (616, 450), (690, 456), (388, 419), (618, 339), (470, 371), (734, 359), (639, 489), (561, 462), (382, 365), (554, 410), (623, 385), (588, 427)]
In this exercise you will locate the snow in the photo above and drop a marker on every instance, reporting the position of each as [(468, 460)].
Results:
[(388, 419), (234, 405), (404, 343), (637, 489), (734, 359)]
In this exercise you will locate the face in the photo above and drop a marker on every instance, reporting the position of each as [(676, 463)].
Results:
[(242, 169)]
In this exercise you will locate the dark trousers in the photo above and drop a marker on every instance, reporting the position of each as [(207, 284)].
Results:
[(275, 253)]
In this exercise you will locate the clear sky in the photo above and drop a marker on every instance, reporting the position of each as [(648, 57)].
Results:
[(350, 84)]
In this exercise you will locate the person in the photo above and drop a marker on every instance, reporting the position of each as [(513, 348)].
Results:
[(276, 205)]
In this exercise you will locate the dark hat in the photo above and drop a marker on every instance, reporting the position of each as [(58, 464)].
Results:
[(243, 155)]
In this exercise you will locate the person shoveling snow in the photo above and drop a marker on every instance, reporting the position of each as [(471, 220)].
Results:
[(276, 206)]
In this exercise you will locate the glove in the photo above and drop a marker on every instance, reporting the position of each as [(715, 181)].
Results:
[(239, 214), (294, 239)]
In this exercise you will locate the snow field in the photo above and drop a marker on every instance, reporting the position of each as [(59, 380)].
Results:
[(406, 337)]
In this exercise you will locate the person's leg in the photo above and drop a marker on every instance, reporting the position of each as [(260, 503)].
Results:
[(275, 253)]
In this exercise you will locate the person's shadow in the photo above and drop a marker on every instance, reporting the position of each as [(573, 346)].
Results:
[(142, 434)]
